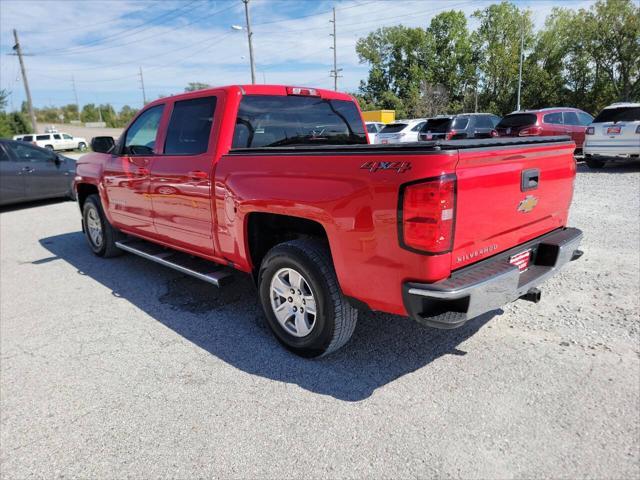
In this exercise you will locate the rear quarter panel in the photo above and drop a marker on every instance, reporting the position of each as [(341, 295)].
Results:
[(357, 208)]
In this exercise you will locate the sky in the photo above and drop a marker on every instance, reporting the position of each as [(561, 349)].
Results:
[(103, 45)]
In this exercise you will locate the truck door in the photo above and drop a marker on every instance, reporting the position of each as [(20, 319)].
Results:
[(181, 176), (126, 174)]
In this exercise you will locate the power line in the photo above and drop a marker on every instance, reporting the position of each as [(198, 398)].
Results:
[(128, 33)]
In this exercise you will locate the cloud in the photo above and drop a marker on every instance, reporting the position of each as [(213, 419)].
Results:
[(103, 44)]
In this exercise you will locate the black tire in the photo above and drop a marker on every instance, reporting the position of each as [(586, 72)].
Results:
[(335, 319), (107, 247), (49, 147), (593, 163), (82, 146)]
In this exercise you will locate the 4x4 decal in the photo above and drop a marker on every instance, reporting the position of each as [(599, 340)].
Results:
[(399, 167)]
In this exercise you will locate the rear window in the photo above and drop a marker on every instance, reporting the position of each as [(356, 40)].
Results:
[(618, 114), (517, 120), (272, 121), (393, 128), (190, 126), (42, 137), (437, 125)]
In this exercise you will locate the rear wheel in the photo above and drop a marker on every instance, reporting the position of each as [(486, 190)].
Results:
[(302, 301), (99, 232), (49, 147), (593, 163)]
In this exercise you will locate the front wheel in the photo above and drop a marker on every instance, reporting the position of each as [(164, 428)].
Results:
[(82, 146), (302, 300), (100, 234)]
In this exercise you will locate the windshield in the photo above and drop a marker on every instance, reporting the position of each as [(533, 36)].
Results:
[(619, 114), (393, 128), (517, 120), (272, 121)]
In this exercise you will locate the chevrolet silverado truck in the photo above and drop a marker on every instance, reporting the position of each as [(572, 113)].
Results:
[(280, 183)]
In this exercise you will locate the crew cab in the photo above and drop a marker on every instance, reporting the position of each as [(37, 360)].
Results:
[(280, 183)]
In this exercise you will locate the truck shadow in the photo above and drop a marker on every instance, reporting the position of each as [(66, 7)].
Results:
[(229, 324)]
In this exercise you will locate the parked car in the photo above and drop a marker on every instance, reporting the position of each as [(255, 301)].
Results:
[(464, 125), (373, 128), (401, 131), (546, 121), (324, 222), (28, 173), (54, 141), (614, 135)]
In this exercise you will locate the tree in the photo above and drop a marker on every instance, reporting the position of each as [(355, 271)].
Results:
[(126, 114), (89, 113), (192, 86), (497, 41), (451, 66)]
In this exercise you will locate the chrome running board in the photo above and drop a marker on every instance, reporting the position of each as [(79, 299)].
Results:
[(196, 267)]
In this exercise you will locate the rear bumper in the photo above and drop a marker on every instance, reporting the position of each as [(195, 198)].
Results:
[(613, 150), (490, 284)]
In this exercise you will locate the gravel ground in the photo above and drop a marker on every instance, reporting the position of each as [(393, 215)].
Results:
[(122, 368)]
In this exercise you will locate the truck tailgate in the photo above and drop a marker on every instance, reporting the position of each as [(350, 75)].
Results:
[(509, 195)]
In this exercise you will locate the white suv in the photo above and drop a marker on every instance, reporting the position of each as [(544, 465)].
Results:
[(54, 141), (614, 135), (401, 131)]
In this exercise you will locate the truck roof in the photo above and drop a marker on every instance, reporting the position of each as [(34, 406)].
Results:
[(258, 89)]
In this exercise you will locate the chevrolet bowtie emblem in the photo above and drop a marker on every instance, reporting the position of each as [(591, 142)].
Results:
[(528, 204)]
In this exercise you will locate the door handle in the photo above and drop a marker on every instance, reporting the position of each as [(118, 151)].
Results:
[(198, 174), (26, 170), (138, 162), (530, 179)]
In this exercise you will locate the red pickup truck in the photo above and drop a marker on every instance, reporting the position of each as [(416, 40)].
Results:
[(279, 182)]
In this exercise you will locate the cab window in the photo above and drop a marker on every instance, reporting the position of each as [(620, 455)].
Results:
[(190, 126), (553, 118), (141, 136)]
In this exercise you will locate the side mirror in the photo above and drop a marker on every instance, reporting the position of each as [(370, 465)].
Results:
[(103, 144)]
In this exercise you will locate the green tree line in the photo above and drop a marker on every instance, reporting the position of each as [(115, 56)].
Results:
[(585, 58)]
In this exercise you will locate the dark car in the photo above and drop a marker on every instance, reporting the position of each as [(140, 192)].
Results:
[(29, 173), (546, 121), (464, 125)]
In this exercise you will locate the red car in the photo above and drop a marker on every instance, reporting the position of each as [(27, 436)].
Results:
[(280, 183), (546, 122)]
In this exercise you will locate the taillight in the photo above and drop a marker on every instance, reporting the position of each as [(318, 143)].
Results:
[(427, 214), (450, 134), (590, 131), (494, 133), (305, 92), (527, 132)]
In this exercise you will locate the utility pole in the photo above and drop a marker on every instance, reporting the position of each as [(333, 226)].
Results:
[(18, 50), (521, 58), (144, 95), (249, 36), (336, 70), (75, 92)]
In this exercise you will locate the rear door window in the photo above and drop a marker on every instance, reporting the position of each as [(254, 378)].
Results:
[(571, 118), (460, 123), (618, 114), (141, 136), (553, 118), (482, 121), (272, 121), (190, 126), (517, 120), (57, 137)]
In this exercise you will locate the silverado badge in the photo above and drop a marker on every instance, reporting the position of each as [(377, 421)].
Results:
[(528, 204)]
